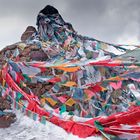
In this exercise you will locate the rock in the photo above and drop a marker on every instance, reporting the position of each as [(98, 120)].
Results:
[(28, 33), (49, 10), (7, 120), (4, 104), (38, 55)]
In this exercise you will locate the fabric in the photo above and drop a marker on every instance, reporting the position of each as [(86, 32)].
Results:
[(51, 101), (61, 76), (116, 85), (70, 102)]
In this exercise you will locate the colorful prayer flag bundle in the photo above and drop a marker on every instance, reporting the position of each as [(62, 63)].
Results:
[(86, 86)]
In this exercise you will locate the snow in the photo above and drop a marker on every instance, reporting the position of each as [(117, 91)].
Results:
[(27, 129)]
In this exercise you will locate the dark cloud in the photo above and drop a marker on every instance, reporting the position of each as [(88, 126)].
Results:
[(108, 20)]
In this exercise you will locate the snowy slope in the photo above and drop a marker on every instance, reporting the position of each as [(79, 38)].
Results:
[(27, 129)]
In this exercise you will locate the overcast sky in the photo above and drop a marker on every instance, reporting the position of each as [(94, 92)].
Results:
[(116, 21)]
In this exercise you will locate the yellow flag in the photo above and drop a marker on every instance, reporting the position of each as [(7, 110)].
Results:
[(70, 102), (22, 46)]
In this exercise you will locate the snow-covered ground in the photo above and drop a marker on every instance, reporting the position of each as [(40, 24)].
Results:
[(27, 129)]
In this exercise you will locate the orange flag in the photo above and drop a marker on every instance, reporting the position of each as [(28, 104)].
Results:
[(70, 84), (68, 69)]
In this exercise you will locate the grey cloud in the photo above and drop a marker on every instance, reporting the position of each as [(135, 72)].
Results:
[(106, 20)]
